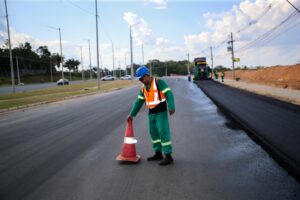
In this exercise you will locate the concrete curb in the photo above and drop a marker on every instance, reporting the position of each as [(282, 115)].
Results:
[(279, 156)]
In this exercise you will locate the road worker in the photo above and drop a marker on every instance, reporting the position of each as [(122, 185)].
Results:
[(216, 74), (158, 97), (222, 75)]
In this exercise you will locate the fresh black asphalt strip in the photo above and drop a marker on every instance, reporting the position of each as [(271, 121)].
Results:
[(270, 122)]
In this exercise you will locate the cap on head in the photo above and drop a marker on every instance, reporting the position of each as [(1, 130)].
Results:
[(141, 71)]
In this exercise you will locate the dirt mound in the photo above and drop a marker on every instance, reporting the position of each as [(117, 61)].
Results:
[(280, 76)]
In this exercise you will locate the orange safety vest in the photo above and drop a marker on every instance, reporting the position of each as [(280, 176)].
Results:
[(152, 96)]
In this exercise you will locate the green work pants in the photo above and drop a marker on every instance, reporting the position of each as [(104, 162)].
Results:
[(160, 132)]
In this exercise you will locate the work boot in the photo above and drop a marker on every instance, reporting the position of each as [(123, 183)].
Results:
[(167, 160), (157, 156)]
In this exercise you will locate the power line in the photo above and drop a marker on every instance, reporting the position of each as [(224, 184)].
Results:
[(93, 14), (293, 6), (274, 37), (79, 7), (105, 31), (266, 35), (239, 31), (252, 22)]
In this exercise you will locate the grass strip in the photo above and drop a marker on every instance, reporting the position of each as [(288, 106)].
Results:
[(59, 93)]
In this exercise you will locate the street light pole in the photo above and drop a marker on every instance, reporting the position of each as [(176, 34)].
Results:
[(61, 55), (125, 65), (82, 71), (113, 58), (10, 53), (90, 59), (61, 63), (131, 56), (98, 70)]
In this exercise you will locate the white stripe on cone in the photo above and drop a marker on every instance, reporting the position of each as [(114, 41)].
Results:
[(130, 140)]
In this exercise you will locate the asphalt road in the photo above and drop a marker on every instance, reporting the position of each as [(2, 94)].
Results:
[(67, 150), (30, 87), (274, 123)]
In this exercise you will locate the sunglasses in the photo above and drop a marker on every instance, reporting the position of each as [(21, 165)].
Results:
[(142, 78)]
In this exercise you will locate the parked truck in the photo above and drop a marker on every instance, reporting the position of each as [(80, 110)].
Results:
[(201, 70)]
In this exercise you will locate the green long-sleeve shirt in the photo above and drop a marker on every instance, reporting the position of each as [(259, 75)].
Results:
[(163, 87)]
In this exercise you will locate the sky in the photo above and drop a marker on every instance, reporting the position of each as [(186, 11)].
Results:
[(265, 32)]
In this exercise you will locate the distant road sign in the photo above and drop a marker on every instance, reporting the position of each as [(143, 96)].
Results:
[(236, 59)]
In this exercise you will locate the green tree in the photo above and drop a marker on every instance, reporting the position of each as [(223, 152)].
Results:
[(72, 64), (56, 59), (43, 52)]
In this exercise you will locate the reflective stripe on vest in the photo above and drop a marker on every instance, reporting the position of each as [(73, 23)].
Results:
[(152, 97)]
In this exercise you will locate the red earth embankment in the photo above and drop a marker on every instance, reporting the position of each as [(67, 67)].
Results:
[(280, 76)]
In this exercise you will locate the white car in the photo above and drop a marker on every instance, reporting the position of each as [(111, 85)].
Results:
[(108, 78), (62, 82), (126, 77)]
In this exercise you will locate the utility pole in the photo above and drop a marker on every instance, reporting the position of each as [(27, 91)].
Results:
[(82, 71), (188, 68), (10, 53), (98, 70), (232, 56), (143, 53), (113, 58), (90, 57), (18, 72), (212, 58)]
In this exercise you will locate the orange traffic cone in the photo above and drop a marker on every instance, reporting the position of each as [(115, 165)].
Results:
[(128, 150)]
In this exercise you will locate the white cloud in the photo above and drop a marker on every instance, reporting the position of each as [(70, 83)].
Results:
[(140, 29), (141, 32), (160, 42), (158, 4), (18, 38), (71, 49), (161, 48), (247, 20)]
